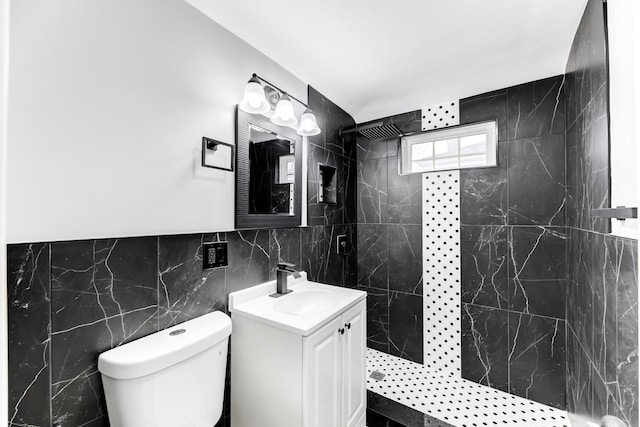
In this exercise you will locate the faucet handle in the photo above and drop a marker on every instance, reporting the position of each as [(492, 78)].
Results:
[(285, 265)]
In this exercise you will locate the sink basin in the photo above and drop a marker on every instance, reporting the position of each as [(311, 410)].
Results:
[(301, 312), (305, 302)]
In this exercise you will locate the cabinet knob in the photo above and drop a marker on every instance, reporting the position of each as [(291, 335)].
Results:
[(341, 330), (348, 325)]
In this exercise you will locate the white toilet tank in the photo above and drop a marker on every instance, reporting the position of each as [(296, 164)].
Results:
[(172, 378)]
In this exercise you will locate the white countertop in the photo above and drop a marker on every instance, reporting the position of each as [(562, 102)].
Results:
[(255, 303)]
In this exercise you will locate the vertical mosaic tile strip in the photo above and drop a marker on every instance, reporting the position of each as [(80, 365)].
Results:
[(440, 115), (441, 263)]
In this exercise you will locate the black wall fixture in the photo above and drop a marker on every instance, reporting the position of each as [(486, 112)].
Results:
[(217, 154)]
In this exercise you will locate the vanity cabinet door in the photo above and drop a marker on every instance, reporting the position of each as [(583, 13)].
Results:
[(322, 377), (354, 365)]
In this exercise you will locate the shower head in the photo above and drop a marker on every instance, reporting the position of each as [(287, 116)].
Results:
[(376, 131)]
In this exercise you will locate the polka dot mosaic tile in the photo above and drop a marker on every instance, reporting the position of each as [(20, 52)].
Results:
[(441, 270), (454, 400), (440, 115)]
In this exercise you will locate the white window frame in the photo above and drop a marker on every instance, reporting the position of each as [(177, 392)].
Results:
[(489, 129)]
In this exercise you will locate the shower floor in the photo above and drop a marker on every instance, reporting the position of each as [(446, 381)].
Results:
[(454, 400)]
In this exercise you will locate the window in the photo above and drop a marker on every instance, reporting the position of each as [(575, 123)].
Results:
[(460, 147)]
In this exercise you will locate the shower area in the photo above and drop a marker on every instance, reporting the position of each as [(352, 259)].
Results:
[(495, 296)]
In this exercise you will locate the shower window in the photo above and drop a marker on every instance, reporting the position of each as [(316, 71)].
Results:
[(459, 147)]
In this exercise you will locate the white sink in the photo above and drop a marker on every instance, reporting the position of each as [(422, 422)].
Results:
[(302, 302), (302, 311)]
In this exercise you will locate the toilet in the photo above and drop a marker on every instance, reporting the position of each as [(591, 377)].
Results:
[(172, 378)]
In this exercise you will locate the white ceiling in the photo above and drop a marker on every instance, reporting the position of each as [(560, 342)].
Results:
[(376, 58)]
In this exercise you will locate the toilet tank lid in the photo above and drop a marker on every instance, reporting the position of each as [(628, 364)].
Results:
[(163, 349)]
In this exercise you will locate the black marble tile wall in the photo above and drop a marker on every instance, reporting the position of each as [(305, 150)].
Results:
[(389, 242), (602, 318), (103, 293), (484, 346), (70, 301), (29, 296), (332, 149), (602, 286), (513, 242)]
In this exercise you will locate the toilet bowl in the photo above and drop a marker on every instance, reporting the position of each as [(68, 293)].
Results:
[(172, 378)]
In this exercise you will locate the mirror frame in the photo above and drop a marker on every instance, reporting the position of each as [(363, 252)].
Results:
[(245, 220)]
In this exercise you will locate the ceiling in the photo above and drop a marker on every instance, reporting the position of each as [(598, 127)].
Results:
[(377, 58)]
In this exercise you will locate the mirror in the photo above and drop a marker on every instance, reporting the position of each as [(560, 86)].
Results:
[(268, 174)]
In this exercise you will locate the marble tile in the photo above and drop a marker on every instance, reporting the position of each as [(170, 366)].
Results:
[(28, 303), (371, 150), (405, 326), (539, 297), (574, 203), (284, 246), (248, 259), (537, 358), (350, 215), (372, 256), (405, 258), (372, 191), (536, 177), (537, 253), (377, 319), (579, 378), (605, 313), (587, 58), (536, 108), (486, 106), (333, 268), (404, 205), (627, 330), (324, 213), (603, 401), (484, 265), (331, 119), (596, 168), (596, 16), (580, 287), (485, 346), (313, 251), (405, 195), (351, 258), (104, 293), (408, 122), (483, 198), (186, 290)]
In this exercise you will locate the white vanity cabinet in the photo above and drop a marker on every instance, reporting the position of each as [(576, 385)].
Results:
[(334, 382), (300, 375)]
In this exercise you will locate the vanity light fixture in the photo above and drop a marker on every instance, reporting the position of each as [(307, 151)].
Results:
[(255, 101)]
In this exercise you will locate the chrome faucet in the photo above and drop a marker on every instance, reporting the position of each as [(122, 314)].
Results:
[(282, 271)]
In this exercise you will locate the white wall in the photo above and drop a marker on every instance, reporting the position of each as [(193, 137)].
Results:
[(4, 64), (625, 109), (108, 102)]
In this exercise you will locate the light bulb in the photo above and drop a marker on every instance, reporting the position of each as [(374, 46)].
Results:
[(254, 101), (284, 115), (308, 124)]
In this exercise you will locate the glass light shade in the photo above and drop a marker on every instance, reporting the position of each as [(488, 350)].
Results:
[(308, 124), (284, 114), (254, 101)]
